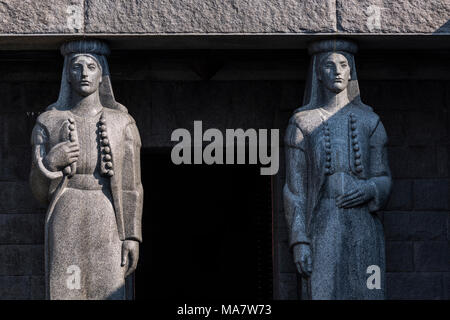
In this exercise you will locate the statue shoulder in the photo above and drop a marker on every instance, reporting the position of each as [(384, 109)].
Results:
[(119, 118), (306, 109), (50, 117), (367, 114), (297, 128), (130, 119), (302, 117)]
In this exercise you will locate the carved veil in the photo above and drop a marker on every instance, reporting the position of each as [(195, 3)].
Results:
[(98, 50), (313, 89)]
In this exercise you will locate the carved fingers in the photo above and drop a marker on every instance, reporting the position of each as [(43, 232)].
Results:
[(303, 259), (130, 256), (306, 265), (355, 197), (62, 155), (72, 151), (69, 153), (350, 199)]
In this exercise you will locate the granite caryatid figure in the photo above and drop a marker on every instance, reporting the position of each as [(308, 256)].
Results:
[(86, 167), (337, 178)]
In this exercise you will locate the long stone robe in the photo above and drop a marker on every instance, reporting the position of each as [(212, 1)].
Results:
[(89, 214), (344, 242)]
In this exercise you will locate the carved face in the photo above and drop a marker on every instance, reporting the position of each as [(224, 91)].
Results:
[(85, 75), (334, 72)]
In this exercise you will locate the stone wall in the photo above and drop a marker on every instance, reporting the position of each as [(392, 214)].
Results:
[(258, 89), (223, 17)]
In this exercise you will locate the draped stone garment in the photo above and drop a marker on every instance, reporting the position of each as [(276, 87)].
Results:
[(82, 228), (83, 231), (344, 242)]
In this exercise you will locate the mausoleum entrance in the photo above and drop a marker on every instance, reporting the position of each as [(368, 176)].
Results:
[(207, 231)]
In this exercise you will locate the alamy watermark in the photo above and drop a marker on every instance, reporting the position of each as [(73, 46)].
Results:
[(75, 16), (73, 281), (235, 139), (374, 280), (373, 22)]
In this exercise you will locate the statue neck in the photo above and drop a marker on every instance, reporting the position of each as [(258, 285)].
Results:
[(86, 105), (335, 101)]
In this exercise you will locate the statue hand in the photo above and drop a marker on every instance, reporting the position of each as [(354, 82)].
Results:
[(356, 197), (62, 155), (130, 255), (303, 259)]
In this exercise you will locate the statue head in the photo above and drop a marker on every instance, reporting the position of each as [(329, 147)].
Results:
[(84, 74), (333, 71)]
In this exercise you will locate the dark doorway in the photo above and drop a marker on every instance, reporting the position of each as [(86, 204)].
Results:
[(207, 231)]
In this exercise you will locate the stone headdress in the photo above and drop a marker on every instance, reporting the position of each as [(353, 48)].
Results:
[(313, 89), (97, 50)]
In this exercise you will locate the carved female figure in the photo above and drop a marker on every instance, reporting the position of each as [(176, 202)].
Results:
[(86, 166), (337, 178)]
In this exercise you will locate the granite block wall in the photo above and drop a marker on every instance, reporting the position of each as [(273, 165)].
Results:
[(223, 17)]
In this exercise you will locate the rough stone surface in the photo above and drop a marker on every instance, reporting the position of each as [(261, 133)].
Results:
[(421, 163), (13, 160), (32, 17), (37, 289), (448, 227), (399, 256), (21, 260), (213, 16), (428, 225), (86, 164), (429, 126), (246, 97), (431, 194), (396, 16), (396, 225), (415, 225), (288, 286), (22, 228), (285, 265), (14, 287), (414, 286), (401, 197), (15, 198), (337, 174), (446, 280), (432, 256)]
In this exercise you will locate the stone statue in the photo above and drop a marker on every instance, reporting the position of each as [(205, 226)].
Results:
[(337, 178), (86, 167)]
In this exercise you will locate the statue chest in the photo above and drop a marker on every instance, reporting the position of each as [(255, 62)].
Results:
[(340, 143), (99, 139)]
